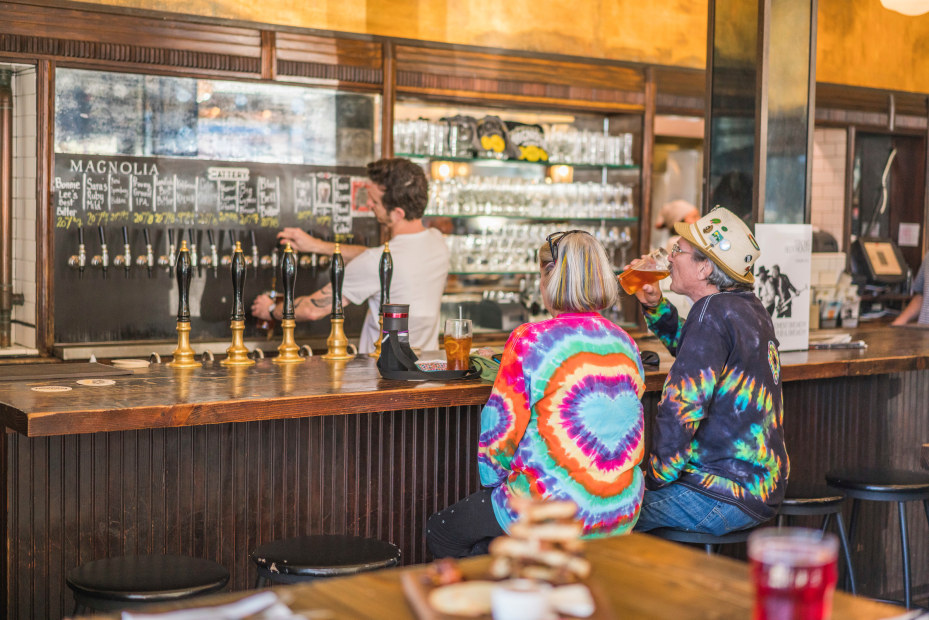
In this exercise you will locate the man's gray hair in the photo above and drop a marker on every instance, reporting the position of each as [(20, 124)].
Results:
[(719, 278)]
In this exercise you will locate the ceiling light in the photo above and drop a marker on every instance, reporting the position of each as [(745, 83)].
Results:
[(907, 7)]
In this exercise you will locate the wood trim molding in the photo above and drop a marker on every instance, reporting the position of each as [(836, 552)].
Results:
[(324, 58), (45, 229)]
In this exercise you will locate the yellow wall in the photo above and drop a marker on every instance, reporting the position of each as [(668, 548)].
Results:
[(859, 42)]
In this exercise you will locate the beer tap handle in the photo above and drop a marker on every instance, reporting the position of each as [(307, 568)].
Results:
[(238, 283), (104, 253), (149, 253), (386, 272), (214, 253), (183, 273), (194, 261), (127, 252), (336, 275), (172, 250), (255, 260), (288, 277), (80, 261)]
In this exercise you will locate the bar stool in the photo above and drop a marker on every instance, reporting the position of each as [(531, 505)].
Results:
[(709, 541), (135, 581), (809, 500), (312, 557), (884, 485)]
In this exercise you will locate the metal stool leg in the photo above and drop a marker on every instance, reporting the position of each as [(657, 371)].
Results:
[(853, 521), (901, 507), (825, 524), (846, 551)]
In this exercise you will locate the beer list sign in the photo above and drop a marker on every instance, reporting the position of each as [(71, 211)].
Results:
[(151, 191)]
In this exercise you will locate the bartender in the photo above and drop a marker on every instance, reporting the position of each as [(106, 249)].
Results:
[(398, 193)]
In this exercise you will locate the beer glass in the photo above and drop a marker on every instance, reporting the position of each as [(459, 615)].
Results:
[(646, 270), (794, 571), (458, 344)]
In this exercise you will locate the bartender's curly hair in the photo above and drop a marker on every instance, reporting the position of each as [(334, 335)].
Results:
[(404, 184)]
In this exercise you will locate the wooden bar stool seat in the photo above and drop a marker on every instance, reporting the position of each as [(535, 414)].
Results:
[(134, 581), (709, 541), (312, 557), (884, 485), (804, 500)]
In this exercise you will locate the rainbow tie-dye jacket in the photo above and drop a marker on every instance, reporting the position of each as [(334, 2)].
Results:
[(719, 424), (564, 421)]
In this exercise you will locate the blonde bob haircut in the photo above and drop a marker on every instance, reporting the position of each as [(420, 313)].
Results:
[(581, 279)]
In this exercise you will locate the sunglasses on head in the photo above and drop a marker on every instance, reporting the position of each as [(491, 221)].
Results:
[(555, 238)]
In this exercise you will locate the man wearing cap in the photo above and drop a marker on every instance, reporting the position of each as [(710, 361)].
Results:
[(718, 462)]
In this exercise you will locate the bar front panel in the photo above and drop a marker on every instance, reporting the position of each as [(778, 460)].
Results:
[(219, 491)]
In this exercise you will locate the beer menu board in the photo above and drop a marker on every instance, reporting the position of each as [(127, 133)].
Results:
[(91, 190)]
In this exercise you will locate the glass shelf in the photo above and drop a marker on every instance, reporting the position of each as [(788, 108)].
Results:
[(487, 160), (623, 220)]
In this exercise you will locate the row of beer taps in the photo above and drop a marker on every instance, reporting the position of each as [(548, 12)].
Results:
[(209, 258)]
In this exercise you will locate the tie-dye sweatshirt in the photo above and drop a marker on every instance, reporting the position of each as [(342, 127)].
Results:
[(564, 421), (719, 424)]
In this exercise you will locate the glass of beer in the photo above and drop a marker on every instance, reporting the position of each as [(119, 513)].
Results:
[(794, 571), (458, 344), (649, 269)]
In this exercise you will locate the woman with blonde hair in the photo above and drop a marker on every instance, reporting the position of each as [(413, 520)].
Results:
[(564, 420)]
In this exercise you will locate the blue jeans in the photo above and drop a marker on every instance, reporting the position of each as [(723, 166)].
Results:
[(681, 508)]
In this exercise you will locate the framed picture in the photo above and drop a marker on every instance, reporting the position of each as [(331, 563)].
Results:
[(883, 260)]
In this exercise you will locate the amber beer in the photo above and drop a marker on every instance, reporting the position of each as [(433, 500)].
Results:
[(458, 344), (635, 278)]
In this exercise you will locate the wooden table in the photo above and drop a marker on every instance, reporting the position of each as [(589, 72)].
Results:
[(641, 576)]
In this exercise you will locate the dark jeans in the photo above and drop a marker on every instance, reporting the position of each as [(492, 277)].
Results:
[(464, 528), (682, 508)]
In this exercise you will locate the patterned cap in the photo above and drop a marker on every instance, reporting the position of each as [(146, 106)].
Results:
[(726, 240)]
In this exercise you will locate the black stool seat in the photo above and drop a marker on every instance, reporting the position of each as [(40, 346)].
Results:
[(701, 538), (308, 557), (885, 482), (131, 580), (885, 485), (810, 500), (806, 499)]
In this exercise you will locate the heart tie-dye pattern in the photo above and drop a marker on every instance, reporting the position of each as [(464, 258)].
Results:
[(565, 422)]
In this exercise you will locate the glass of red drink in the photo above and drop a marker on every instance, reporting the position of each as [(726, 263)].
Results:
[(794, 571)]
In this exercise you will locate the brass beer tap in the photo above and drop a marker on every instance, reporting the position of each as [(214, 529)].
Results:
[(226, 259), (79, 260), (385, 272), (124, 260), (147, 260), (167, 261), (288, 352), (183, 354), (103, 259), (337, 342), (237, 354)]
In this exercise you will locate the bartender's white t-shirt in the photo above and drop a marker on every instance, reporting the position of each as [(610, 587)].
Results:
[(420, 270)]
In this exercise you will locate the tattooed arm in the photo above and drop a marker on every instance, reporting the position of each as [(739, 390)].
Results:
[(311, 307)]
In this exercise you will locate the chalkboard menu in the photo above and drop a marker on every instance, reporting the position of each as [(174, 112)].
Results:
[(91, 190)]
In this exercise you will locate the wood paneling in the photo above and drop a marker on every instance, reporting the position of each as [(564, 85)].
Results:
[(219, 491), (128, 40), (326, 58), (458, 73)]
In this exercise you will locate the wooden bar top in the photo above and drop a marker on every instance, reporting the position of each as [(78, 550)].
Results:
[(639, 576), (159, 396)]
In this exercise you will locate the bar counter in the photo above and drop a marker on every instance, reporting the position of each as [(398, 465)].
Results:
[(212, 462)]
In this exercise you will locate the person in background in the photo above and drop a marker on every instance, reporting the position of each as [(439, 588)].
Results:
[(398, 193), (918, 307), (564, 420), (718, 461)]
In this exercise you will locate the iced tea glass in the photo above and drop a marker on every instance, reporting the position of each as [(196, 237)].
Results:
[(649, 269), (458, 344), (794, 571)]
